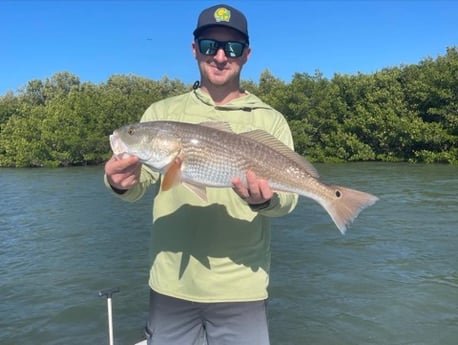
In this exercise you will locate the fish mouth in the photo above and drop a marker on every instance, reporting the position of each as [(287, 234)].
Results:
[(121, 150), (117, 146)]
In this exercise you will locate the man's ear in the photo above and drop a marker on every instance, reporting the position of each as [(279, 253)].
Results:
[(194, 48)]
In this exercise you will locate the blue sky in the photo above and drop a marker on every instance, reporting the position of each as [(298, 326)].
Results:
[(97, 39)]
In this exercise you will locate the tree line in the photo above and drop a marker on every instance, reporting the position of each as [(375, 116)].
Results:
[(407, 113)]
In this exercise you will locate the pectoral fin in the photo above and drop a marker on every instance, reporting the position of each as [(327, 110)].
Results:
[(173, 175)]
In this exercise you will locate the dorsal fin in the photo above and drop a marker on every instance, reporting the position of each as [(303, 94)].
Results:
[(269, 140)]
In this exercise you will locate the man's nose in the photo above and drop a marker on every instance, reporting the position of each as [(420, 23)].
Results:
[(220, 55)]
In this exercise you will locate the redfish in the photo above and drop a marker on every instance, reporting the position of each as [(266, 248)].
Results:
[(210, 154)]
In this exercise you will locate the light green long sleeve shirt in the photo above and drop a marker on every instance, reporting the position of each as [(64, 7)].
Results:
[(219, 250)]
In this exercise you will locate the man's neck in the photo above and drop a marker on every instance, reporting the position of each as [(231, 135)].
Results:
[(222, 95)]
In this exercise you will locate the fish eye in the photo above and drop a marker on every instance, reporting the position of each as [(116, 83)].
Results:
[(131, 131)]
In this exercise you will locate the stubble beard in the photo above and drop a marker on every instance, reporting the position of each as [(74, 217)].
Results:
[(219, 77)]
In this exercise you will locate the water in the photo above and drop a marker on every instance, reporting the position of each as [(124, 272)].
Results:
[(391, 280)]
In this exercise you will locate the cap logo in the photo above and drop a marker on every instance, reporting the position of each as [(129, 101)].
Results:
[(222, 15)]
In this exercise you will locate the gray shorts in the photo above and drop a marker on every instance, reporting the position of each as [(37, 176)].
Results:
[(175, 321)]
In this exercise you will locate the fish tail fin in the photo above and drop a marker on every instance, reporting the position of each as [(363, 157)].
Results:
[(346, 204)]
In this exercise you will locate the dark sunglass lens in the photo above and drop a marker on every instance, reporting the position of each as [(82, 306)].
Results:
[(234, 49), (208, 47)]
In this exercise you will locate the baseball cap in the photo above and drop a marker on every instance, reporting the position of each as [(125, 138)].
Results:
[(222, 15)]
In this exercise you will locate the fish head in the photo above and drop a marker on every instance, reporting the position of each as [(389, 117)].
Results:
[(154, 146)]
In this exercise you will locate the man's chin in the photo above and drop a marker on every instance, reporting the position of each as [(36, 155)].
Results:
[(218, 80)]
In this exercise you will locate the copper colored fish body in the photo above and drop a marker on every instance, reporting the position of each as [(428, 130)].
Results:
[(211, 155)]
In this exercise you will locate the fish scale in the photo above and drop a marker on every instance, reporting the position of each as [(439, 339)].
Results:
[(226, 161)]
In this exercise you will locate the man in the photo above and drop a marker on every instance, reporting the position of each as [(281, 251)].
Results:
[(210, 260)]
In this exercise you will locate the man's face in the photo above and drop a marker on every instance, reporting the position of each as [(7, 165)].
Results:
[(220, 70)]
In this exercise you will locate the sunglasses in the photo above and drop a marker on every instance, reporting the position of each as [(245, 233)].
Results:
[(232, 49)]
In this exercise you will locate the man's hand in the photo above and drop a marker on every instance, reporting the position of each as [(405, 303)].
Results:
[(123, 173), (257, 191)]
